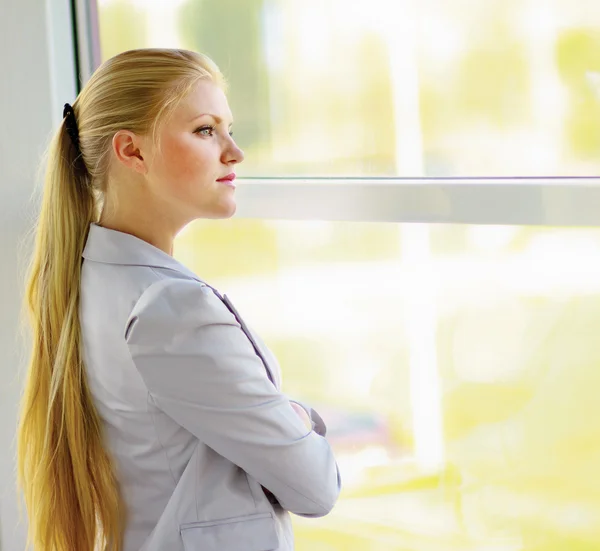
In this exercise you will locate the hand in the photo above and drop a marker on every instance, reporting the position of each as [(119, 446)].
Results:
[(301, 412)]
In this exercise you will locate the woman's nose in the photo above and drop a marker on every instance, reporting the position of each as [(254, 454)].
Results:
[(233, 154)]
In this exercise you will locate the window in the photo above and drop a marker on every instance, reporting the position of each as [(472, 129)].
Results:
[(456, 366), (454, 359), (392, 87)]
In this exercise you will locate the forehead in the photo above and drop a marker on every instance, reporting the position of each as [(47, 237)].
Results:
[(205, 98)]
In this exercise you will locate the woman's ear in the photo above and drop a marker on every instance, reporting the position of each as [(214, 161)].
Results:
[(127, 148)]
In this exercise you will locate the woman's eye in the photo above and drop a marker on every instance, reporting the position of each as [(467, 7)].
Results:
[(205, 130)]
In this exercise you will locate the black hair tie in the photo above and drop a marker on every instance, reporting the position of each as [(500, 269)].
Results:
[(71, 124)]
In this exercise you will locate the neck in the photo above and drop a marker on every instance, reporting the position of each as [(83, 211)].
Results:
[(142, 223)]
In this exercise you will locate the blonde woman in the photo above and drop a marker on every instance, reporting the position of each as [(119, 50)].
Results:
[(152, 417)]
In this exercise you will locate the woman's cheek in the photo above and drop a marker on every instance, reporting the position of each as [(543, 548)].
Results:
[(182, 161)]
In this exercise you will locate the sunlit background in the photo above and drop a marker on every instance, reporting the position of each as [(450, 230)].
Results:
[(392, 87), (457, 367)]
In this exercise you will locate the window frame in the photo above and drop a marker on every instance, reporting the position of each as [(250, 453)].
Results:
[(498, 201), (87, 38)]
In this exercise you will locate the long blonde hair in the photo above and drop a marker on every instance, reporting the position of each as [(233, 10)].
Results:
[(64, 470)]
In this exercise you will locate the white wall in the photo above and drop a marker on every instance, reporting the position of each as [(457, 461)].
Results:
[(36, 78)]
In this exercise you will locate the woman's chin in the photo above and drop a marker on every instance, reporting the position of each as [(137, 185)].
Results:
[(222, 211)]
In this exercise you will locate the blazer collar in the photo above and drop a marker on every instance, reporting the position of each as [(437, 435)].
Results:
[(115, 247)]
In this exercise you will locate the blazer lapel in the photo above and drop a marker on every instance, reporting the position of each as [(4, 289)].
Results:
[(248, 334)]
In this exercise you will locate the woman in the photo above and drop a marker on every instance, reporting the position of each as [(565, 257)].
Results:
[(152, 417)]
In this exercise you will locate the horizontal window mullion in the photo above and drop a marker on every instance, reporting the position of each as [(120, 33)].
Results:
[(501, 201)]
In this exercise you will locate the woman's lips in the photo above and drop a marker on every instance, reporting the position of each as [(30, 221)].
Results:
[(228, 180)]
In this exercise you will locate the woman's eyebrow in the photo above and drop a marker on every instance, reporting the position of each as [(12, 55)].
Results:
[(218, 119)]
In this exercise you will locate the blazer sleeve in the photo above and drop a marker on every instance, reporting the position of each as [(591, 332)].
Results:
[(201, 370)]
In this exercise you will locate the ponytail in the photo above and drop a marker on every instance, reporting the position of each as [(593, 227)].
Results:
[(65, 473)]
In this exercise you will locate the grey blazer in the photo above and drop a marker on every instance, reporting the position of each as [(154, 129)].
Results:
[(209, 452)]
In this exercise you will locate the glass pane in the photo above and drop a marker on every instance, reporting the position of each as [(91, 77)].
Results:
[(392, 87), (456, 368)]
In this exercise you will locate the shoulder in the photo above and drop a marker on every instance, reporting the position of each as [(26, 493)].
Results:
[(173, 306)]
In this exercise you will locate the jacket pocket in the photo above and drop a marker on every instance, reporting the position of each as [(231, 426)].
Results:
[(248, 533)]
